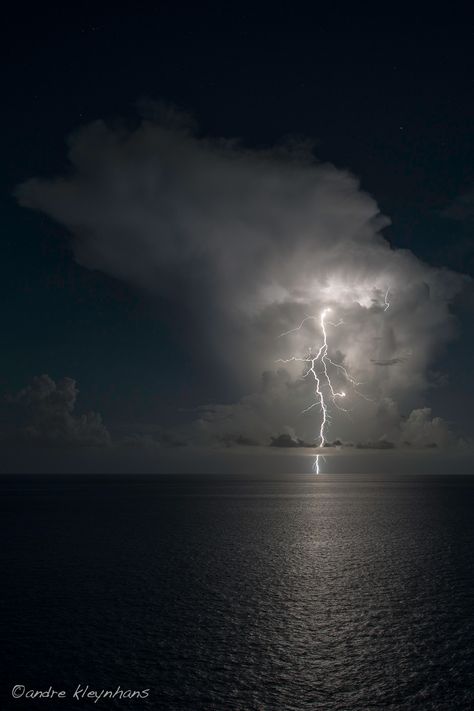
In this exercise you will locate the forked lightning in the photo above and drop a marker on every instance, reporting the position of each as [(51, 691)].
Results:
[(319, 369)]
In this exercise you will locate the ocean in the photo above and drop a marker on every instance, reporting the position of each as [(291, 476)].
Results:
[(346, 593)]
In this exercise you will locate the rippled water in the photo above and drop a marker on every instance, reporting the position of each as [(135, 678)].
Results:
[(311, 593)]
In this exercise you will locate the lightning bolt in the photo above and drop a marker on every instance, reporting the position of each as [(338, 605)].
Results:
[(318, 368)]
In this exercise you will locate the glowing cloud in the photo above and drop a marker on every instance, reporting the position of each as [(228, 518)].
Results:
[(247, 243)]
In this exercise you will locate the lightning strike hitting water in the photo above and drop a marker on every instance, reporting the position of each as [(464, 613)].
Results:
[(318, 369)]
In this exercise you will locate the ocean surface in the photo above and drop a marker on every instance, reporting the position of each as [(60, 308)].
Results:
[(344, 593)]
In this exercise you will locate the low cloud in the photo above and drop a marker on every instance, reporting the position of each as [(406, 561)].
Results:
[(379, 444), (275, 415), (421, 429), (160, 438), (390, 361), (288, 440), (43, 414)]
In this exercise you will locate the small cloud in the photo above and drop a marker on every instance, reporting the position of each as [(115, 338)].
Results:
[(159, 438), (378, 444), (43, 414), (287, 440), (389, 361), (240, 440), (335, 443)]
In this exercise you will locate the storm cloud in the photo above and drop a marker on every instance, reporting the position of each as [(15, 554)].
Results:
[(251, 242)]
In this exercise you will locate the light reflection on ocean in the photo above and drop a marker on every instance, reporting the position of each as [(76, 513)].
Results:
[(336, 593)]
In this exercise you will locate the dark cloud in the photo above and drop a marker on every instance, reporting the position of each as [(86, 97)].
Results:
[(160, 438), (379, 444), (390, 361), (43, 414), (239, 440), (287, 440), (338, 443)]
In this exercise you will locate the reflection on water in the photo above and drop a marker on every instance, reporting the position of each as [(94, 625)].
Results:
[(347, 593)]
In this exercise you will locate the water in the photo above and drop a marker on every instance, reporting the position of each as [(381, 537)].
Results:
[(330, 593)]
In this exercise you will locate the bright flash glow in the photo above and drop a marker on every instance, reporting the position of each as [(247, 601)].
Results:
[(319, 368)]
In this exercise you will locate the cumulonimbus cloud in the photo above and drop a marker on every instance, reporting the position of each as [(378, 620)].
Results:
[(252, 242)]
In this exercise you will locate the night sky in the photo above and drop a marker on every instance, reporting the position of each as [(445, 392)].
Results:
[(384, 98)]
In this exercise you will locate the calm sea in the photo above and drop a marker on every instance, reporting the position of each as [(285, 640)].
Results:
[(332, 593)]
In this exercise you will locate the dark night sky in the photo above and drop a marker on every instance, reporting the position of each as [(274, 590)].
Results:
[(388, 97)]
